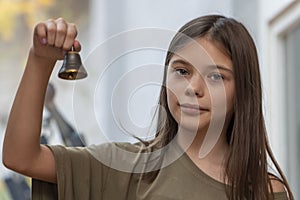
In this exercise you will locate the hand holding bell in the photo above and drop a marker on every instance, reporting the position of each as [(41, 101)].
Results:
[(72, 68)]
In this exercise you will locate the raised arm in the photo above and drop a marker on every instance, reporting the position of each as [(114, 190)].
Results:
[(22, 151)]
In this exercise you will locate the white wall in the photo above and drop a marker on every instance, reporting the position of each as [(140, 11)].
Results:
[(116, 17), (108, 17)]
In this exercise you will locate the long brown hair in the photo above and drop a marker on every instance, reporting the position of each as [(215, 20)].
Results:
[(246, 162)]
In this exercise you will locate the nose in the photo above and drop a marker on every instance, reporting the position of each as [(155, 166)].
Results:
[(196, 86)]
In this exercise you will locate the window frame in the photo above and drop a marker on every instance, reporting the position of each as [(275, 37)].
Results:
[(283, 23)]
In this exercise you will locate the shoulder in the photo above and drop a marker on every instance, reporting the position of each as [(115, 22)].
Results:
[(125, 157), (117, 146), (104, 148), (276, 183)]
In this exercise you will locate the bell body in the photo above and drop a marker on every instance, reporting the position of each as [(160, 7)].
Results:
[(72, 68)]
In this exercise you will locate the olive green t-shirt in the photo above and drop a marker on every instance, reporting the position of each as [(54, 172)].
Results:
[(84, 174)]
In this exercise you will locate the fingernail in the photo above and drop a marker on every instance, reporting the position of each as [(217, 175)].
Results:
[(44, 41)]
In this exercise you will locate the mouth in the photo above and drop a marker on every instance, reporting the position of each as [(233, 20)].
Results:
[(192, 109)]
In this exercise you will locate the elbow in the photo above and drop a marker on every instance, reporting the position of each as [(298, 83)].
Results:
[(17, 155), (13, 156), (5, 159), (8, 161), (13, 163), (8, 155)]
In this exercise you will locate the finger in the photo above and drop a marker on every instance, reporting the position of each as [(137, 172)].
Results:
[(51, 32), (70, 36), (77, 46), (40, 33), (61, 30)]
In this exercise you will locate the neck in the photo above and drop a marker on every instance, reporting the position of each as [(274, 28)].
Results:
[(204, 143), (212, 161)]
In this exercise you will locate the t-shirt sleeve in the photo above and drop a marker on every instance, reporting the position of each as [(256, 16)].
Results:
[(42, 190), (94, 172), (79, 176), (280, 196)]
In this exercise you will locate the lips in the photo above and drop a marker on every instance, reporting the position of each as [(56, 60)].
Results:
[(192, 109)]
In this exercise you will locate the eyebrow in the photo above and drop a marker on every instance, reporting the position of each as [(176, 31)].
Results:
[(180, 62), (220, 67)]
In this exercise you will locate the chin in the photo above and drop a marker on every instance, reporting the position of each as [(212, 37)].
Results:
[(193, 126)]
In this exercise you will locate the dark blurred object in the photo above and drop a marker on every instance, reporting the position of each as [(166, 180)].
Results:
[(18, 187), (69, 136), (43, 139)]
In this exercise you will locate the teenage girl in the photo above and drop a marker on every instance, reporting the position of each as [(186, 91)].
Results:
[(211, 86)]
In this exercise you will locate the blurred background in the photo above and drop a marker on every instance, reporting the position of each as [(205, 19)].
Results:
[(274, 25)]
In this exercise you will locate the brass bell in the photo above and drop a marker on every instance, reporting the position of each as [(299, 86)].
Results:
[(72, 68)]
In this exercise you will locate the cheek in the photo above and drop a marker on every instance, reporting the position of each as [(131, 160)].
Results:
[(171, 99), (222, 101), (173, 105), (218, 99), (172, 91)]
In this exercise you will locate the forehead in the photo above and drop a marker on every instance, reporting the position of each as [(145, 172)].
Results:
[(202, 52)]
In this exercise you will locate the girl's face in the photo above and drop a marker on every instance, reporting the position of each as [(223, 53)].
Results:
[(200, 86)]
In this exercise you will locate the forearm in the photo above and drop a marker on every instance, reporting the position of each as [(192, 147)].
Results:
[(22, 151), (22, 138)]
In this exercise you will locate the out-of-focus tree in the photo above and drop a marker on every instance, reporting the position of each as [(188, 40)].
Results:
[(34, 10), (17, 19), (11, 10)]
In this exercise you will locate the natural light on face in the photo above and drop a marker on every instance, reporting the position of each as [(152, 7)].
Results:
[(200, 84)]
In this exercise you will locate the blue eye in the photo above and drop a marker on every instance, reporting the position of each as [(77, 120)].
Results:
[(216, 77), (181, 71)]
